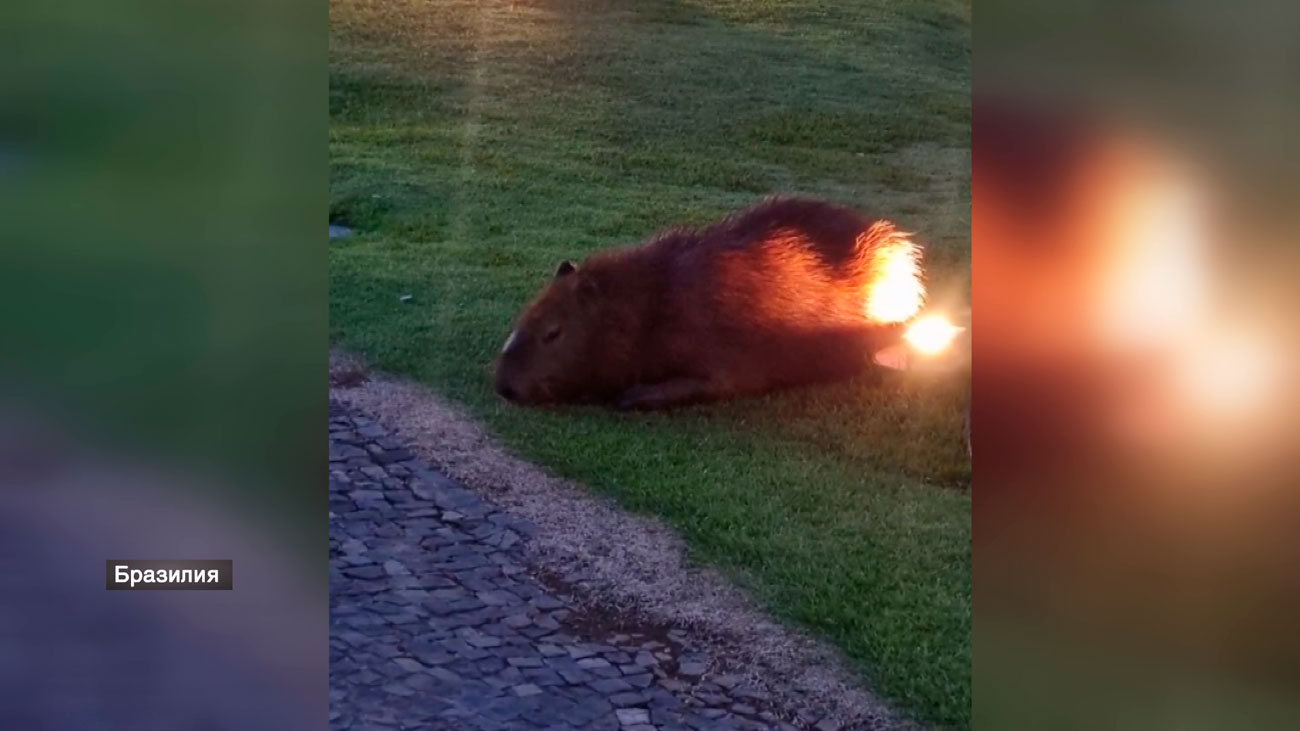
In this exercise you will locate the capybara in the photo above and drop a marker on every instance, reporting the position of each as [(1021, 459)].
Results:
[(791, 291)]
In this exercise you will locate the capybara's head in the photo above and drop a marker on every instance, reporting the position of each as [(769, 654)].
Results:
[(549, 356)]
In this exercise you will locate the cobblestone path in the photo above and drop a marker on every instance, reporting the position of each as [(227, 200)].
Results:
[(435, 623)]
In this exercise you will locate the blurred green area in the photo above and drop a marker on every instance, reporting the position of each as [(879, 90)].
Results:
[(163, 185)]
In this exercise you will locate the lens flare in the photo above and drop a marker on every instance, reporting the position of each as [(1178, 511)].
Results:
[(931, 334), (1228, 373), (1157, 287), (896, 292)]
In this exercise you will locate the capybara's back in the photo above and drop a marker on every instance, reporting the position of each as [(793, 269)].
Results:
[(788, 292)]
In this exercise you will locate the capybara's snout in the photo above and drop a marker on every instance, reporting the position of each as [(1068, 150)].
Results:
[(512, 385), (505, 390), (503, 383)]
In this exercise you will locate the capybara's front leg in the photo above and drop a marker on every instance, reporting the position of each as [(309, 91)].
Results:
[(667, 394)]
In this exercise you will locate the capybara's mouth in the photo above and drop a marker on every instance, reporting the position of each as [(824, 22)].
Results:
[(517, 396), (532, 403), (514, 397)]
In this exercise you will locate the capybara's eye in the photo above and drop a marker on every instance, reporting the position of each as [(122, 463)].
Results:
[(551, 334)]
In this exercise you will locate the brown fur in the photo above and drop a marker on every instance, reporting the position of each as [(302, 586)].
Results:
[(769, 298)]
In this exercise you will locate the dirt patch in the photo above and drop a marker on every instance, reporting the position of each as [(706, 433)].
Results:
[(346, 371), (624, 570)]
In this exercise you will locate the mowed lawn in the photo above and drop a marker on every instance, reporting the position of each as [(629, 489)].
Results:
[(475, 143)]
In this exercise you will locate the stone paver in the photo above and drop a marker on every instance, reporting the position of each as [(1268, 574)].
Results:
[(436, 624)]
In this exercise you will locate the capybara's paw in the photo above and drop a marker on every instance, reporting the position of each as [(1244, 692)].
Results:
[(667, 394), (637, 398)]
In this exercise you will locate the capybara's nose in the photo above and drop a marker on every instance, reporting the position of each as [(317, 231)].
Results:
[(505, 390)]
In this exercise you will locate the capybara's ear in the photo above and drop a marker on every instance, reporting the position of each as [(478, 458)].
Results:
[(565, 267)]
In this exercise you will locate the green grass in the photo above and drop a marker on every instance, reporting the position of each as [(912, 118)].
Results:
[(474, 144)]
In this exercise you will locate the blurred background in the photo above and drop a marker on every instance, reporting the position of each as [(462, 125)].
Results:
[(163, 189), (1137, 512)]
